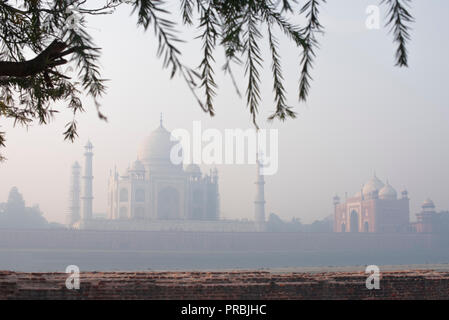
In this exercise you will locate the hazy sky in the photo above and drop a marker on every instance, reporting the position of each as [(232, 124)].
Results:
[(363, 115)]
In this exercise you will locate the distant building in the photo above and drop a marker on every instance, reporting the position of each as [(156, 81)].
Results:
[(376, 208), (155, 188), (74, 212), (426, 218), (14, 214), (154, 194), (431, 221)]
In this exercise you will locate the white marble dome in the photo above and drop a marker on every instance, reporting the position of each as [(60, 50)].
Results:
[(428, 204), (388, 193), (157, 146), (125, 173), (373, 185)]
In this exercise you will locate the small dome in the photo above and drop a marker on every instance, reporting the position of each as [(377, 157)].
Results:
[(138, 166), (76, 165), (373, 185), (358, 195), (428, 204), (193, 169), (125, 173), (388, 193)]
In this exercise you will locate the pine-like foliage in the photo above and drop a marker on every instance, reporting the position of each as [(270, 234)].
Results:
[(399, 19), (66, 61)]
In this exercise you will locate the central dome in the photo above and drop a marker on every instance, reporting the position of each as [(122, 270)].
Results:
[(388, 193), (157, 146), (428, 204), (373, 185)]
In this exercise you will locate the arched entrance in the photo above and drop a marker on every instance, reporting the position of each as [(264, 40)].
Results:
[(197, 202), (343, 227), (139, 213), (123, 195), (123, 214), (140, 195), (168, 204), (354, 223), (366, 227)]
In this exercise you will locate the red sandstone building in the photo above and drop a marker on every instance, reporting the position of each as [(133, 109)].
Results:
[(431, 221), (376, 208)]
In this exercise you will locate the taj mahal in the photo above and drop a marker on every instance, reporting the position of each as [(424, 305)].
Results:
[(153, 194)]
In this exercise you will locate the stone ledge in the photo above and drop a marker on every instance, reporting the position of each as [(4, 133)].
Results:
[(413, 284)]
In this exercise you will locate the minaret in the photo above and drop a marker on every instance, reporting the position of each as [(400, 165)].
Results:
[(336, 200), (87, 190), (259, 202), (74, 208)]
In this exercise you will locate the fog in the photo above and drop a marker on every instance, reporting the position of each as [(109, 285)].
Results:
[(363, 115)]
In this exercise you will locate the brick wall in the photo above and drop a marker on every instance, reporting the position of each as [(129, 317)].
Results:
[(225, 285)]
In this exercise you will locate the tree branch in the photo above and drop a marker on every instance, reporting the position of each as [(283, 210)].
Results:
[(49, 58)]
